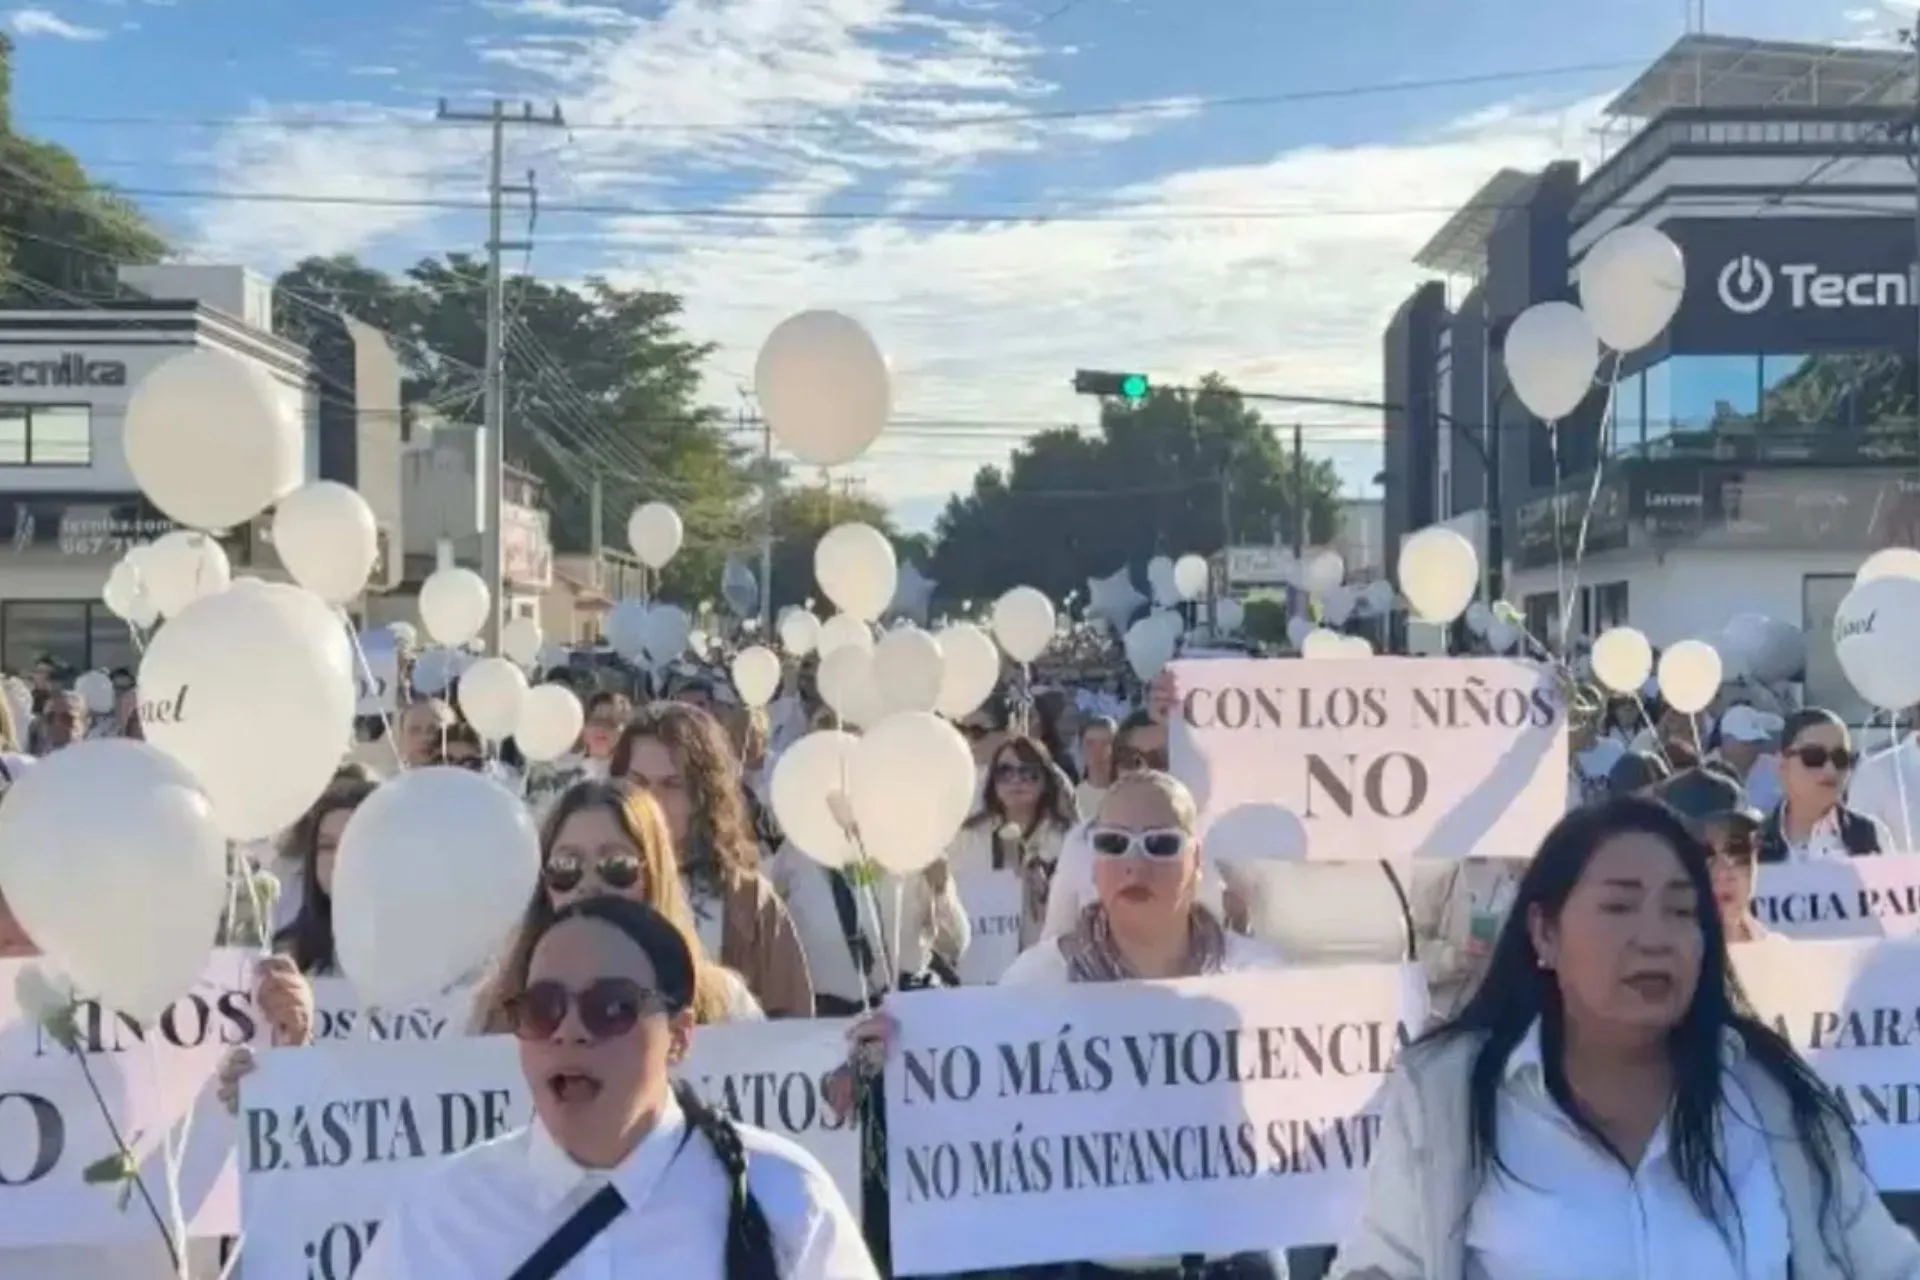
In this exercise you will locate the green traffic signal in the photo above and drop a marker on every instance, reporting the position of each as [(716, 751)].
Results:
[(1134, 386)]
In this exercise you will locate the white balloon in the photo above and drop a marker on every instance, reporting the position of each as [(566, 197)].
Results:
[(1630, 285), (1379, 596), (212, 440), (908, 670), (1149, 646), (1298, 629), (114, 865), (552, 657), (626, 629), (840, 631), (454, 604), (799, 631), (855, 566), (756, 675), (1783, 653), (1337, 605), (326, 536), (1322, 644), (1160, 582), (667, 631), (184, 566), (847, 684), (1439, 573), (521, 641), (824, 387), (655, 534), (126, 595), (1023, 623), (1551, 356), (1622, 659), (1873, 637), (254, 692), (491, 692), (435, 869), (1889, 562), (1191, 577), (433, 671), (1356, 647), (1326, 570), (551, 719), (969, 669), (1690, 675), (1478, 618), (913, 783), (96, 690), (809, 794), (1229, 615), (1502, 636)]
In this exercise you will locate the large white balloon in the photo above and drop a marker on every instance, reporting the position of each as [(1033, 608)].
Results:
[(908, 670), (855, 565), (655, 533), (1229, 615), (182, 567), (1160, 581), (454, 604), (326, 536), (434, 871), (1630, 285), (125, 594), (667, 630), (1622, 659), (521, 641), (840, 631), (1690, 676), (1889, 562), (491, 693), (847, 685), (970, 669), (1783, 653), (254, 692), (96, 690), (824, 387), (799, 631), (1323, 571), (1321, 644), (1190, 577), (1023, 622), (1149, 646), (1551, 355), (913, 783), (550, 722), (810, 795), (756, 675), (626, 629), (212, 440), (1439, 573), (112, 860), (1873, 637)]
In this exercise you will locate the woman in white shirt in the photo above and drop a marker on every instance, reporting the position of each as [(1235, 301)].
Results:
[(622, 1172), (1003, 858), (1603, 1107), (1811, 824)]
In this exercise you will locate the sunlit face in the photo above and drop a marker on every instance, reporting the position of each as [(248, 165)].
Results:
[(1740, 755), (1626, 946), (1096, 748), (1137, 888), (420, 733), (326, 847), (592, 855), (1814, 767), (652, 766), (66, 720), (602, 731), (1732, 864), (1017, 781), (600, 1074)]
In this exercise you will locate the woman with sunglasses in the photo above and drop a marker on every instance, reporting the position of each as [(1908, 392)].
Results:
[(623, 1172), (1003, 858), (1811, 824), (610, 839)]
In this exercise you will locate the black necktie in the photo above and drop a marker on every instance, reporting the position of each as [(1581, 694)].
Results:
[(573, 1235)]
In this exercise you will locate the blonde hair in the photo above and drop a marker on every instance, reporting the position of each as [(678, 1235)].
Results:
[(1169, 788)]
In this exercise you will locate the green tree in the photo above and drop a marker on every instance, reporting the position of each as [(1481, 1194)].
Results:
[(802, 514), (1180, 472), (58, 230)]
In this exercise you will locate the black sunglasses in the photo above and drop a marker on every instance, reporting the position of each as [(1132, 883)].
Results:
[(1818, 757), (564, 872), (1011, 772), (608, 1008), (1128, 759)]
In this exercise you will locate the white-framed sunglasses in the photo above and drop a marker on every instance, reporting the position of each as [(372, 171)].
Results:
[(1159, 845)]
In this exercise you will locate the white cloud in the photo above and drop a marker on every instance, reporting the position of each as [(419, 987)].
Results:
[(44, 22)]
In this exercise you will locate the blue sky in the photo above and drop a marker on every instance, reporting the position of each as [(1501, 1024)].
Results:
[(1268, 239)]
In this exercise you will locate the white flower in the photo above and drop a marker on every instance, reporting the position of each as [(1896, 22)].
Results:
[(1009, 832)]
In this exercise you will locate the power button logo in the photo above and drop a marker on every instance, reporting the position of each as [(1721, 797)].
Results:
[(1746, 285)]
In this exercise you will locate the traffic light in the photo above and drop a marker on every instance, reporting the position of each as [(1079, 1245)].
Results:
[(1131, 387)]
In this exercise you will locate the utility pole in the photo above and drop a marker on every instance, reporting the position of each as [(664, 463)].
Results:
[(493, 482), (767, 487), (1300, 506)]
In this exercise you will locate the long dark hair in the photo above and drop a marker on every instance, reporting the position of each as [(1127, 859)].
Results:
[(308, 937), (1055, 805), (1516, 992), (720, 849)]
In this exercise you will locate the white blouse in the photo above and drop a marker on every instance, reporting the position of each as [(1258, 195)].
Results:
[(914, 921), (994, 897), (483, 1212), (1571, 1211)]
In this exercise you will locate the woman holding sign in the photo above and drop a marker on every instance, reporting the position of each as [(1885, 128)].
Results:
[(1004, 856), (1604, 1106), (622, 1173)]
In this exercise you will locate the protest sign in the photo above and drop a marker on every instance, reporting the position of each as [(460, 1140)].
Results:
[(1841, 897), (1847, 1007), (994, 900), (1381, 759), (1032, 1124), (379, 679), (333, 1136)]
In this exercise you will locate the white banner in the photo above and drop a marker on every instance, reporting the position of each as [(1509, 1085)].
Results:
[(1842, 898), (380, 678), (994, 900), (1377, 759), (333, 1136), (1034, 1124)]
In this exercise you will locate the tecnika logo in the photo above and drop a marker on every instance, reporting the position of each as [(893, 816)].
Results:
[(1749, 285), (70, 369)]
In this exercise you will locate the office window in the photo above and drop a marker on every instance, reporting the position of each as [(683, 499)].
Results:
[(1791, 394), (80, 633), (1605, 605), (1657, 396), (1709, 393), (1629, 416), (46, 435), (1542, 614)]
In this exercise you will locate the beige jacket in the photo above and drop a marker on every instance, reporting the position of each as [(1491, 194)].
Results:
[(1458, 909), (1421, 1181)]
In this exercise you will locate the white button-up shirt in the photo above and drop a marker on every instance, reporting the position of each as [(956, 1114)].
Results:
[(1566, 1209), (486, 1210)]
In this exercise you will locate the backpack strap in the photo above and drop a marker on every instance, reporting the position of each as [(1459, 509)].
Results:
[(858, 945), (573, 1235)]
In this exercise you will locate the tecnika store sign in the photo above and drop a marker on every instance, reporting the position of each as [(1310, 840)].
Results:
[(64, 369)]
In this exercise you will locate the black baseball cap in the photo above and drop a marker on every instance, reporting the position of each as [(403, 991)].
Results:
[(1704, 796), (1635, 770), (665, 946)]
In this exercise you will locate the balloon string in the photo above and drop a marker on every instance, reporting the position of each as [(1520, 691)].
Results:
[(1900, 777), (1653, 731), (366, 673), (1607, 430)]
